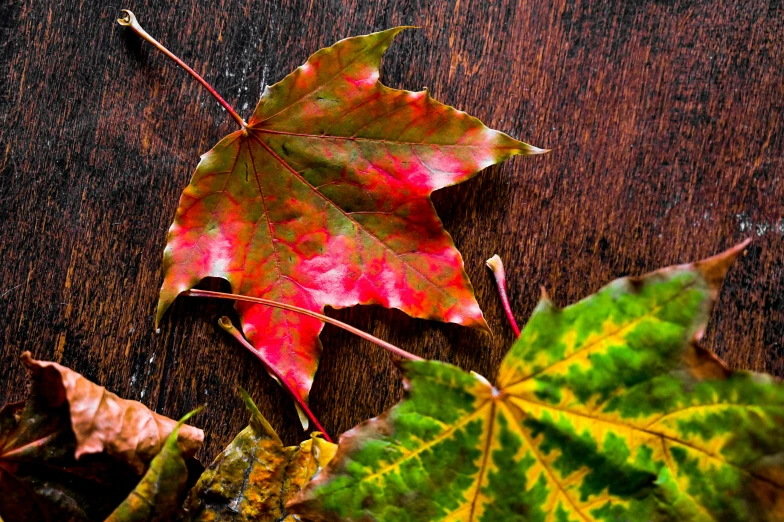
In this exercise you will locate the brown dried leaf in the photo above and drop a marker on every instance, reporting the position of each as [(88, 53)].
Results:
[(103, 422)]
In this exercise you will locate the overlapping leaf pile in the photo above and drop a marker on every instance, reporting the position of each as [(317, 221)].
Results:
[(606, 410), (74, 450), (324, 199)]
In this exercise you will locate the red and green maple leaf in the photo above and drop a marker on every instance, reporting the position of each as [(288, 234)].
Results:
[(323, 198)]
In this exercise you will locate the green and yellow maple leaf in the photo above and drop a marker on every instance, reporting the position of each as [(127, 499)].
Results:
[(605, 410), (254, 477)]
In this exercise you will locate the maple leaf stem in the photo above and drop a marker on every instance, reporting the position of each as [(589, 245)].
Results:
[(497, 266), (227, 325), (129, 20), (276, 304)]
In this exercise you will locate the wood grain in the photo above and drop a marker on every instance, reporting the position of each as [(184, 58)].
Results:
[(666, 119)]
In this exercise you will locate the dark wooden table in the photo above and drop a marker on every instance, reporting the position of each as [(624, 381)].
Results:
[(666, 119)]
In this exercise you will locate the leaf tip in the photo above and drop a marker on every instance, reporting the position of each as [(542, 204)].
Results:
[(481, 378), (530, 150), (257, 420), (545, 302), (303, 418), (482, 326), (190, 414), (714, 269), (166, 298), (247, 399), (159, 315), (33, 366), (704, 364), (26, 357)]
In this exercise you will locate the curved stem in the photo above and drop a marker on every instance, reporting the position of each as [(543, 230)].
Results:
[(276, 304), (226, 324), (130, 21), (497, 266)]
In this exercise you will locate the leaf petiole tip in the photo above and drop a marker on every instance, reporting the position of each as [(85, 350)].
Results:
[(128, 20), (497, 266)]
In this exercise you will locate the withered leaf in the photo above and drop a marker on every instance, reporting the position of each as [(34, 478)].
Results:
[(103, 422), (256, 475), (157, 496)]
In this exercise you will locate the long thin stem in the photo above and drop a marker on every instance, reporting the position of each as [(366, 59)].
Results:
[(497, 266), (130, 21), (227, 325), (276, 304)]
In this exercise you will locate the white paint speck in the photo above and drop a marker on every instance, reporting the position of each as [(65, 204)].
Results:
[(746, 224), (264, 72)]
